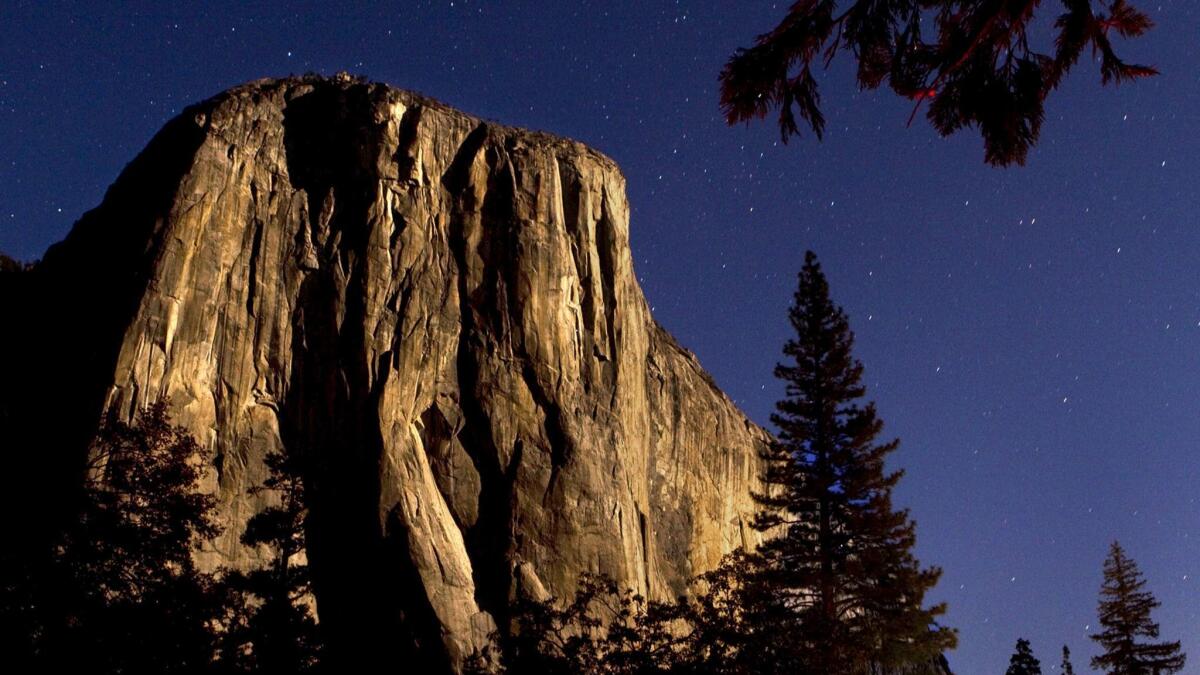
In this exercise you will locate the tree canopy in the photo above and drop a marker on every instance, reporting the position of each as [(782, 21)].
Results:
[(119, 591), (1023, 662), (272, 627), (977, 66)]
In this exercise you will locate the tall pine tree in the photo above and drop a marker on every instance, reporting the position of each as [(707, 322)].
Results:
[(841, 562), (1125, 608), (1023, 661)]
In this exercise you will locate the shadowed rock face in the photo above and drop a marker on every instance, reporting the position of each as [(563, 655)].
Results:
[(441, 315)]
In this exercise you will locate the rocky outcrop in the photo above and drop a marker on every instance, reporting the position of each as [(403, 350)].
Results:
[(441, 315)]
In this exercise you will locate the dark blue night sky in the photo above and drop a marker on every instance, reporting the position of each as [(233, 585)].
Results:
[(1031, 334)]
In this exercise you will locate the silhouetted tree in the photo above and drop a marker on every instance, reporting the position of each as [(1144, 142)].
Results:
[(716, 630), (970, 59), (272, 629), (119, 591), (839, 584), (1125, 619), (601, 629), (1023, 661), (1067, 668), (740, 621)]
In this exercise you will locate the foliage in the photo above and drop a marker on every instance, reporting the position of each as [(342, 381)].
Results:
[(1125, 619), (977, 69), (741, 622), (1066, 667), (272, 627), (12, 266), (119, 590), (1023, 662), (847, 590), (602, 629)]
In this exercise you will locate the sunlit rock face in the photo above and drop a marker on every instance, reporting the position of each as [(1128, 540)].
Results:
[(441, 314)]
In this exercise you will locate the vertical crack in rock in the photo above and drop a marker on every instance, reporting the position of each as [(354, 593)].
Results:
[(489, 540), (554, 426), (255, 250), (606, 244), (645, 541)]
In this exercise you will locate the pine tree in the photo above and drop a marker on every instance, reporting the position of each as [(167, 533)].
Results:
[(976, 67), (119, 592), (1125, 617), (1023, 661), (1067, 668), (273, 629), (847, 590)]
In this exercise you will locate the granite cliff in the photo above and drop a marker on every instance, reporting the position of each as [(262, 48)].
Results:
[(441, 313)]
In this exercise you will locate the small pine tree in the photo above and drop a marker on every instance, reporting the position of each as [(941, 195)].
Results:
[(1125, 618), (1023, 662), (1067, 668), (840, 577), (273, 629)]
